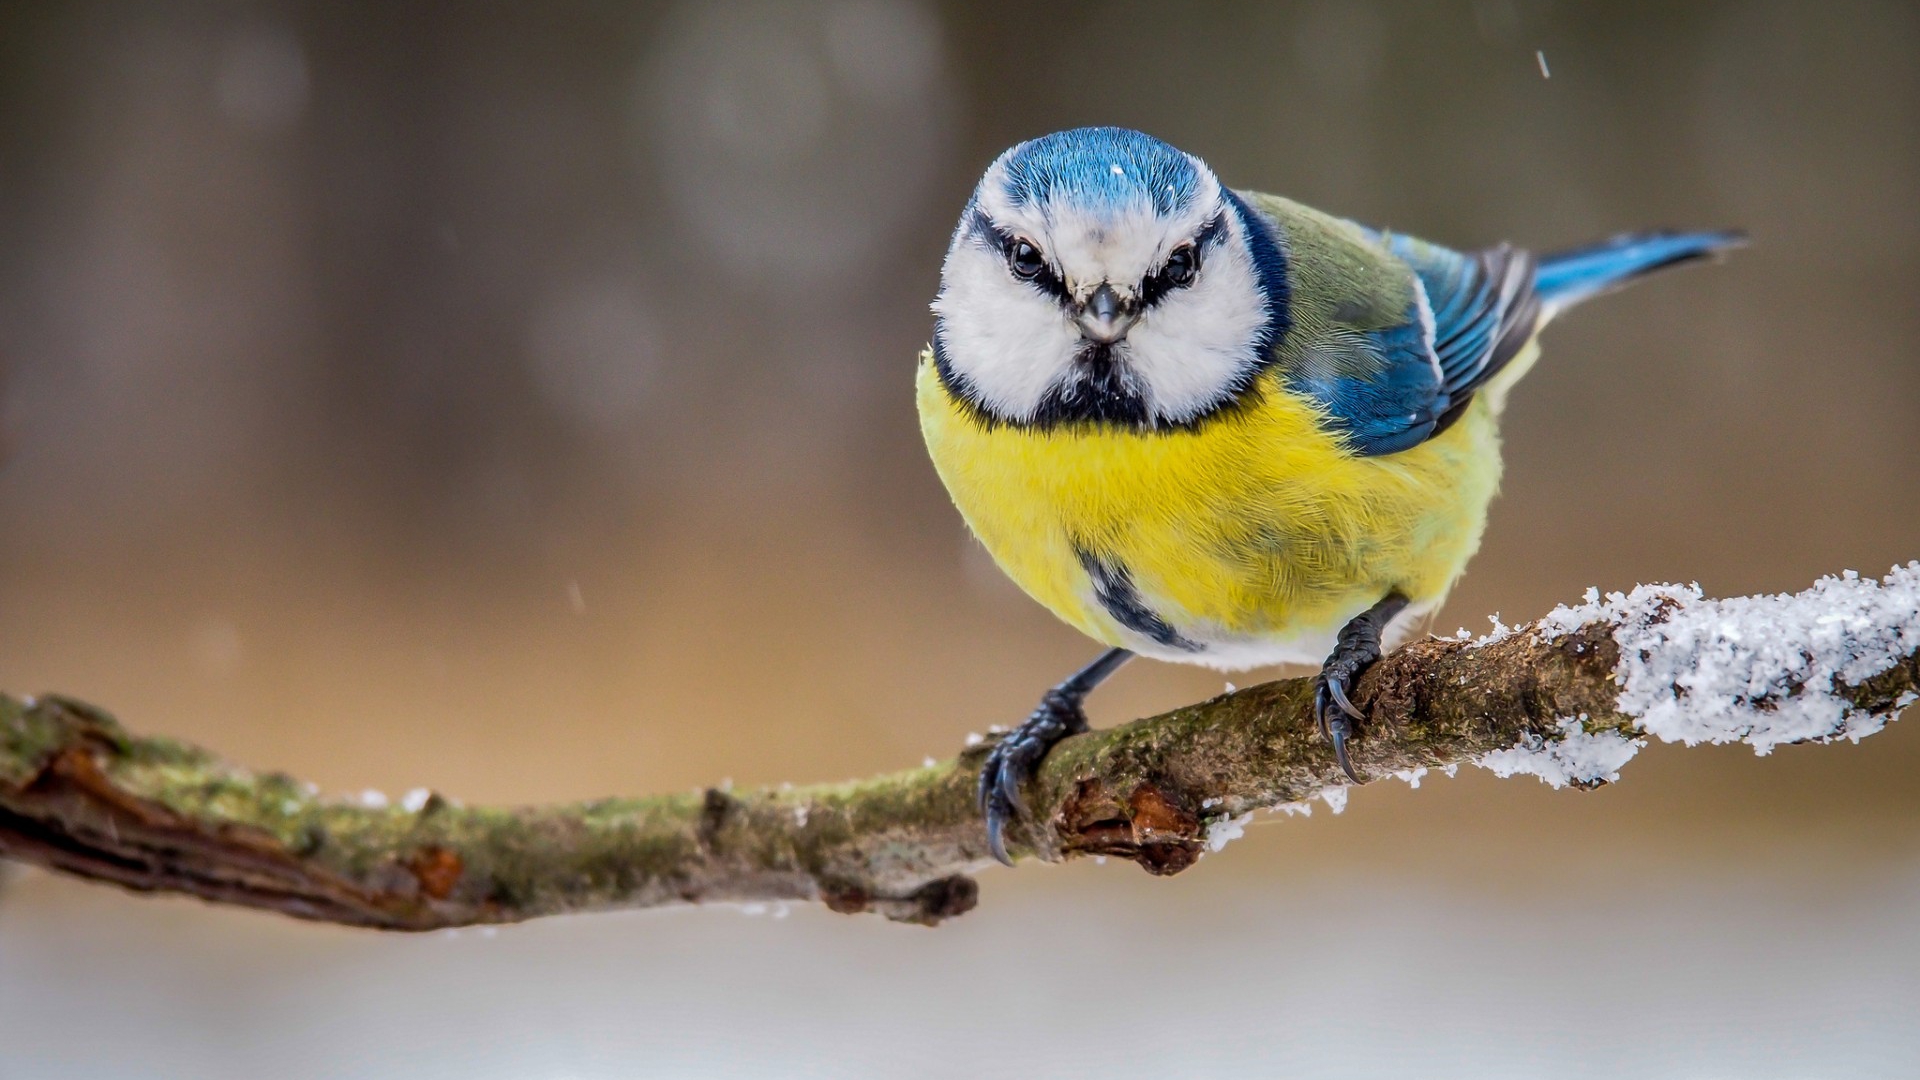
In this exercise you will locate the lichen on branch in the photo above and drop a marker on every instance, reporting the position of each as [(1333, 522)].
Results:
[(1568, 698)]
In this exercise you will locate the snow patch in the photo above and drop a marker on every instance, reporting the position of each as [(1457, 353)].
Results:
[(1500, 632), (1760, 670), (1754, 669), (1576, 758), (1335, 797), (1224, 831)]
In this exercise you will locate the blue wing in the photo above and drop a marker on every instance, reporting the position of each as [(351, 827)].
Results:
[(1390, 389), (1471, 315)]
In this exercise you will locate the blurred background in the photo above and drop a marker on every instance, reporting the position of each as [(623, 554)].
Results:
[(516, 400)]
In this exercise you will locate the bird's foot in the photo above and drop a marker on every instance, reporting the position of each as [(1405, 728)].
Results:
[(1015, 758), (1332, 704), (1356, 650)]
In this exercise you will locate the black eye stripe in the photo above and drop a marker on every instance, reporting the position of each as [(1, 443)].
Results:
[(1049, 282), (1157, 285), (982, 229), (996, 239), (1213, 234), (990, 235)]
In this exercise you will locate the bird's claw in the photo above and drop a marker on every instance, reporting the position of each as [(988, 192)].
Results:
[(1334, 711), (1336, 687), (1014, 759), (1356, 649)]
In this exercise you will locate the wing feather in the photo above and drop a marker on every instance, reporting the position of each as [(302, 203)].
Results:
[(1484, 311), (1393, 335)]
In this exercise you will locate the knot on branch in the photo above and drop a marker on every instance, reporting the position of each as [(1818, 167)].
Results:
[(1148, 827), (929, 905)]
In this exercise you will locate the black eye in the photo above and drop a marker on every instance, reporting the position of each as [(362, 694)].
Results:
[(1181, 266), (1025, 261)]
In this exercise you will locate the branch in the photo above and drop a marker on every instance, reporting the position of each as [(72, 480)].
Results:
[(1568, 698)]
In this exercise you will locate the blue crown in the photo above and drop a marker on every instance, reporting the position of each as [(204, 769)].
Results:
[(1102, 168)]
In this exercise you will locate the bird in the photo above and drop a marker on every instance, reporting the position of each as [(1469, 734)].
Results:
[(1219, 427)]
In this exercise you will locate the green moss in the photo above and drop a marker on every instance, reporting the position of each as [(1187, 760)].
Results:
[(27, 738)]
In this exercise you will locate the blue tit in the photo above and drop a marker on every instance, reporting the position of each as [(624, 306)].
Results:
[(1219, 427)]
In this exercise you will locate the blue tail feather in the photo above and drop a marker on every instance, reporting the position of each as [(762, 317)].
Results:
[(1567, 277)]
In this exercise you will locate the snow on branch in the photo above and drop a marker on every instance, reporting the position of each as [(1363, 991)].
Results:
[(1569, 699)]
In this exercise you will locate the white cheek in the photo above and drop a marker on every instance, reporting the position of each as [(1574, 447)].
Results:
[(1008, 340), (1196, 344)]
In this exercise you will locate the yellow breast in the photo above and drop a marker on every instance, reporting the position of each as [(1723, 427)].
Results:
[(1253, 536)]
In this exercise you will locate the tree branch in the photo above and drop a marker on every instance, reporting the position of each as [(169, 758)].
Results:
[(1568, 698)]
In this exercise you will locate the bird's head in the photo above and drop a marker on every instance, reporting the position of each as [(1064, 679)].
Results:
[(1101, 275)]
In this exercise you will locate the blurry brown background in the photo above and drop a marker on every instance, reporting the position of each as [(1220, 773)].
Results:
[(515, 399)]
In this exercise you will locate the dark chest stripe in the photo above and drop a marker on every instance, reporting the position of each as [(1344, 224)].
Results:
[(1113, 586)]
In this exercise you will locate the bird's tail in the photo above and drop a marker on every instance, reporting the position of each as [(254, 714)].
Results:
[(1564, 278)]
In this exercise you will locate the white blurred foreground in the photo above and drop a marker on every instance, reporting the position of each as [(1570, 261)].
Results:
[(1758, 978)]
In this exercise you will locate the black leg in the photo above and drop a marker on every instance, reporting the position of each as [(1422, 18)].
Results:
[(1358, 647), (1014, 758)]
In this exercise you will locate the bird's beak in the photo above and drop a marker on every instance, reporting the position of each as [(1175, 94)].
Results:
[(1103, 318)]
